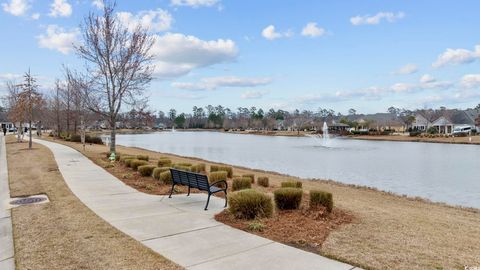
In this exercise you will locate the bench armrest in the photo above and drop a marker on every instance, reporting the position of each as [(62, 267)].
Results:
[(218, 182)]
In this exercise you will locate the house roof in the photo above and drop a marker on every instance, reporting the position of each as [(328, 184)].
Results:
[(448, 117)]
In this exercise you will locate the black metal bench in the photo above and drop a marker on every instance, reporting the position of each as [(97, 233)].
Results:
[(198, 181)]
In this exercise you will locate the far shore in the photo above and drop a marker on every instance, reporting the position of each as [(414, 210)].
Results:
[(475, 140)]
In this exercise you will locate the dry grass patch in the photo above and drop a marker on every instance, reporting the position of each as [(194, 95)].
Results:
[(64, 233)]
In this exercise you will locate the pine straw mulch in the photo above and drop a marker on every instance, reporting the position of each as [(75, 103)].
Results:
[(304, 228)]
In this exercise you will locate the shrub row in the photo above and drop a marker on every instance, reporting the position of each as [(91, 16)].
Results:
[(88, 139)]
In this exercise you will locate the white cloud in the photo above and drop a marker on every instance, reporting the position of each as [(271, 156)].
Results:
[(194, 3), (407, 69), (270, 33), (312, 30), (98, 4), (213, 83), (178, 54), (457, 56), (427, 78), (35, 16), (252, 94), (10, 76), (402, 87), (470, 81), (151, 20), (56, 38), (60, 8), (377, 18), (16, 7)]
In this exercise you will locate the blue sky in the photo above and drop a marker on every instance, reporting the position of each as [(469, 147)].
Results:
[(367, 55)]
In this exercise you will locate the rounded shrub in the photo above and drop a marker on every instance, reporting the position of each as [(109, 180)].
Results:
[(134, 164), (157, 171), (288, 198), (241, 183), (182, 168), (250, 204), (262, 181), (228, 169), (164, 162), (292, 184), (143, 157), (166, 177), (199, 167), (251, 176), (146, 170), (217, 176), (128, 161), (321, 198), (124, 157)]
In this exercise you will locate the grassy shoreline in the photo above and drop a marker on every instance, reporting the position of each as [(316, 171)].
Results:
[(391, 231)]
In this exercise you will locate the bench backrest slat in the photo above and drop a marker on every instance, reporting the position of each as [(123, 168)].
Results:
[(193, 180)]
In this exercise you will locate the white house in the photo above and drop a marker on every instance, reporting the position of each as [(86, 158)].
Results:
[(445, 121)]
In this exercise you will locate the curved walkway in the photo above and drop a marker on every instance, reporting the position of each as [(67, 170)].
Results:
[(177, 228)]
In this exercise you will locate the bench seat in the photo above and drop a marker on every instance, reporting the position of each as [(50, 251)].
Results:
[(198, 181)]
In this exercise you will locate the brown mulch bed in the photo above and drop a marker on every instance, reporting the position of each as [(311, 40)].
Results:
[(304, 228)]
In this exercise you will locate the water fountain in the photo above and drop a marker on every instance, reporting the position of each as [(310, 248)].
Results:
[(173, 128), (325, 137)]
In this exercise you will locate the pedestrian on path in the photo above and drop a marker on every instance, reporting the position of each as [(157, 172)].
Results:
[(4, 131)]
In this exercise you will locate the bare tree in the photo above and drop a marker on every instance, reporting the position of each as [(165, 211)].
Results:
[(29, 101), (118, 64)]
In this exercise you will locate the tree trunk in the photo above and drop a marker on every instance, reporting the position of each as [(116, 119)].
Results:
[(30, 134), (112, 137)]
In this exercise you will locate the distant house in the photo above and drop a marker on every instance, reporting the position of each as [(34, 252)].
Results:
[(421, 123), (444, 121), (337, 128), (4, 121)]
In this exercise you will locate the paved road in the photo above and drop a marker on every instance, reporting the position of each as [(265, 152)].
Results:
[(177, 228), (7, 261)]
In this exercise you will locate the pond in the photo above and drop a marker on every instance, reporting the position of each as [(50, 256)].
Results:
[(447, 173)]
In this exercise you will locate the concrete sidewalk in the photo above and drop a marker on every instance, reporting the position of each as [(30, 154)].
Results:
[(7, 261), (177, 228)]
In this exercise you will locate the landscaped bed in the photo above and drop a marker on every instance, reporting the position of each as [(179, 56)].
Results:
[(304, 228), (367, 228)]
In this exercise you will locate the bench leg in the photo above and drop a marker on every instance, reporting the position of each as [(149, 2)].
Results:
[(225, 199), (188, 191), (171, 191), (208, 200)]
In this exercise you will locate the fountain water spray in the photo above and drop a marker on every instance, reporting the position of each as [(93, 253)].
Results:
[(325, 136)]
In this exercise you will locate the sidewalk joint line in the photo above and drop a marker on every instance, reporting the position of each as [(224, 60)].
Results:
[(173, 234)]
